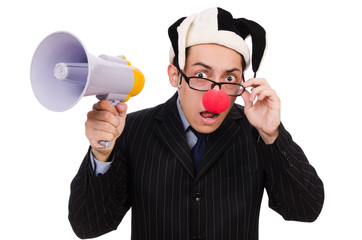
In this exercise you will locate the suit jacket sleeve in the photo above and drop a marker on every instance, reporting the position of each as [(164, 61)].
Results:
[(97, 204), (295, 191)]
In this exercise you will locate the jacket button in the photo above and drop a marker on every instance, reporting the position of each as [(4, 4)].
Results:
[(197, 197), (284, 154)]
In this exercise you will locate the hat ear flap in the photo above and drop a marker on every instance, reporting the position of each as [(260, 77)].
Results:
[(178, 34), (173, 35), (247, 27)]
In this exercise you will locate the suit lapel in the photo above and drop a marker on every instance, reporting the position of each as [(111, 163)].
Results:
[(172, 134), (220, 140)]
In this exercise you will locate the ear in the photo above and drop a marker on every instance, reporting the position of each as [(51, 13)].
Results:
[(173, 75)]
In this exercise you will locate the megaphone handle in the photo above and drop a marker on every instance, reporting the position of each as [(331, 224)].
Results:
[(106, 144)]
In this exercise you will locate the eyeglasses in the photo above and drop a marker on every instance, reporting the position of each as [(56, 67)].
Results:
[(205, 84)]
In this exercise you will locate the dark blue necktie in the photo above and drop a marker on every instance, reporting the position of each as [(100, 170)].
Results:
[(198, 150)]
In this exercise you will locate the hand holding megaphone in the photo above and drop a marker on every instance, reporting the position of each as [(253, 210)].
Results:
[(62, 72), (105, 121)]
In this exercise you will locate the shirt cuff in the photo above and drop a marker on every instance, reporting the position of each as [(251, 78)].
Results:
[(99, 167)]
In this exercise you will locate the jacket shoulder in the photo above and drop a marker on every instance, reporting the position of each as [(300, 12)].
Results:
[(160, 111)]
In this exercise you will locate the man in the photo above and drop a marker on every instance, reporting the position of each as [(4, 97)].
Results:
[(152, 165)]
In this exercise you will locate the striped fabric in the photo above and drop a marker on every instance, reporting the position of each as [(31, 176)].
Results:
[(153, 172)]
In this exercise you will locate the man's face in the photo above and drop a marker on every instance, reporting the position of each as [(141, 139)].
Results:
[(214, 62)]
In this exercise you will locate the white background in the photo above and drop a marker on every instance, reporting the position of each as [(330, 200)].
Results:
[(313, 62)]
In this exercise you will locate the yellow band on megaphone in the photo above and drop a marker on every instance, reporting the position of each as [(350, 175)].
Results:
[(139, 82)]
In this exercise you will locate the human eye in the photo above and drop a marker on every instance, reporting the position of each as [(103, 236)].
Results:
[(230, 78), (201, 75)]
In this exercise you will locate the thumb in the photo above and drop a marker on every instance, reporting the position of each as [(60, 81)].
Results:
[(122, 109), (122, 114)]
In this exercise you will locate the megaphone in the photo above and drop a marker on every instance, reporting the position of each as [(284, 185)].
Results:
[(62, 72)]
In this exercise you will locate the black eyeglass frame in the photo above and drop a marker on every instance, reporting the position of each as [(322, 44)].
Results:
[(187, 80)]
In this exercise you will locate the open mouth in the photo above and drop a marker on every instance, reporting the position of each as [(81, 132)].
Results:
[(209, 115)]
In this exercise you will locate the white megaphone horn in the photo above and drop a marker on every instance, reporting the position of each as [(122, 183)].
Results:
[(62, 72)]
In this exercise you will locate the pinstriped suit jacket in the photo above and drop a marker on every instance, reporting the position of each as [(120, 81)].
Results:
[(152, 172)]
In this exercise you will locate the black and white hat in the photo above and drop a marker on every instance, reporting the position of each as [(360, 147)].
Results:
[(215, 25)]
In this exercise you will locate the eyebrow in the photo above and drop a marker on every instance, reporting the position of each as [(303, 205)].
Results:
[(209, 67), (202, 64), (233, 70)]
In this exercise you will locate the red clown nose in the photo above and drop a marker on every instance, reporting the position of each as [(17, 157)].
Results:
[(216, 101)]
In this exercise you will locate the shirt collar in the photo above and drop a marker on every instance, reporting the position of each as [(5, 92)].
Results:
[(185, 123)]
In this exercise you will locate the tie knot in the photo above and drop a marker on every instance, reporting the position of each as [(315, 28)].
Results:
[(199, 135)]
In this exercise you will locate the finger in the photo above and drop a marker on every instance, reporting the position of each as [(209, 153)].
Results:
[(258, 92), (255, 82), (98, 136), (268, 93), (96, 126), (103, 116), (105, 105)]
